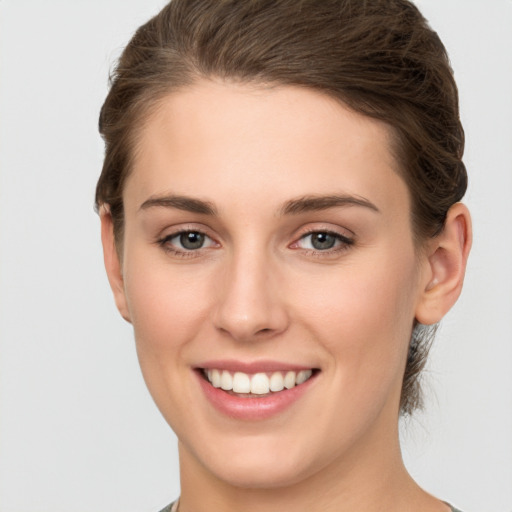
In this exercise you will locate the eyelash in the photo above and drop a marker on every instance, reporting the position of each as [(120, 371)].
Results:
[(344, 243), (164, 242)]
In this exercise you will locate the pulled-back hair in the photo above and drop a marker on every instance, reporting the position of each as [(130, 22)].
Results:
[(379, 57)]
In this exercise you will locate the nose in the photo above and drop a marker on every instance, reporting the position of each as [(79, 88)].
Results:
[(250, 304)]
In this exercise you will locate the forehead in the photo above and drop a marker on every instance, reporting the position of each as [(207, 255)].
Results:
[(248, 142)]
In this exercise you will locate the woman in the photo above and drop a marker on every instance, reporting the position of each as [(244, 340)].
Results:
[(281, 221)]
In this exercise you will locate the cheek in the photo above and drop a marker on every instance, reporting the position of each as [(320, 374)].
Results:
[(168, 306), (168, 309), (364, 316)]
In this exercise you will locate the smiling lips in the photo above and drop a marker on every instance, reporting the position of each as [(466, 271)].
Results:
[(254, 391), (258, 383)]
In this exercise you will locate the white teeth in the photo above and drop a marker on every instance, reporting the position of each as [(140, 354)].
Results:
[(257, 384), (260, 384), (303, 376), (226, 381), (289, 380), (215, 378), (277, 382), (241, 383)]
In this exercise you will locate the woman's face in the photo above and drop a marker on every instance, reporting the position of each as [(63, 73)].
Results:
[(267, 241)]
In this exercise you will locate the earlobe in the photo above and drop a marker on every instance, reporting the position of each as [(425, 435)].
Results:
[(112, 262), (447, 257)]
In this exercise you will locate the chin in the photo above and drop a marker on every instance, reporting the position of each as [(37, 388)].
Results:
[(260, 462), (271, 474)]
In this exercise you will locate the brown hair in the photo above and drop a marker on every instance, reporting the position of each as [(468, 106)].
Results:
[(379, 57)]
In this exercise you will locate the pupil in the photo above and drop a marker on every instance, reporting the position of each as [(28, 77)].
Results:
[(192, 240), (322, 241)]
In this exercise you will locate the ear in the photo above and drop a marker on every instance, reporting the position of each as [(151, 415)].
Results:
[(112, 263), (447, 255)]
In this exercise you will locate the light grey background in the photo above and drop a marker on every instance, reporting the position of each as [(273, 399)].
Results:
[(78, 430)]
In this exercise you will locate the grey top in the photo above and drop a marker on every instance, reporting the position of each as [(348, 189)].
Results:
[(171, 508), (174, 506)]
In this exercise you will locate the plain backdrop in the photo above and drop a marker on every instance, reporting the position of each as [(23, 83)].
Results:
[(78, 430)]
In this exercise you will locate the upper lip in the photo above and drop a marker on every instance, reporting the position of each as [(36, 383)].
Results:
[(253, 366)]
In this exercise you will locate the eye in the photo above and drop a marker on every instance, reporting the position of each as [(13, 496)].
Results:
[(323, 241), (191, 240), (186, 241)]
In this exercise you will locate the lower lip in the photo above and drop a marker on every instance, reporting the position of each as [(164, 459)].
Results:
[(249, 408)]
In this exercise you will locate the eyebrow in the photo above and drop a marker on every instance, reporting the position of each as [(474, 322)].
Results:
[(319, 203), (185, 203), (293, 207)]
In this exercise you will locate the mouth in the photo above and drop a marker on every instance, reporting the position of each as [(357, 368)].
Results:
[(256, 385), (257, 390)]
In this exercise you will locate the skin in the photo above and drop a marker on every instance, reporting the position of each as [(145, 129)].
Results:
[(257, 290)]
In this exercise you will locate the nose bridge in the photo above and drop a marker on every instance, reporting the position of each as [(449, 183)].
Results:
[(249, 304)]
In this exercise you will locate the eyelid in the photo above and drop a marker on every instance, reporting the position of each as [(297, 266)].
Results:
[(342, 232), (177, 229)]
